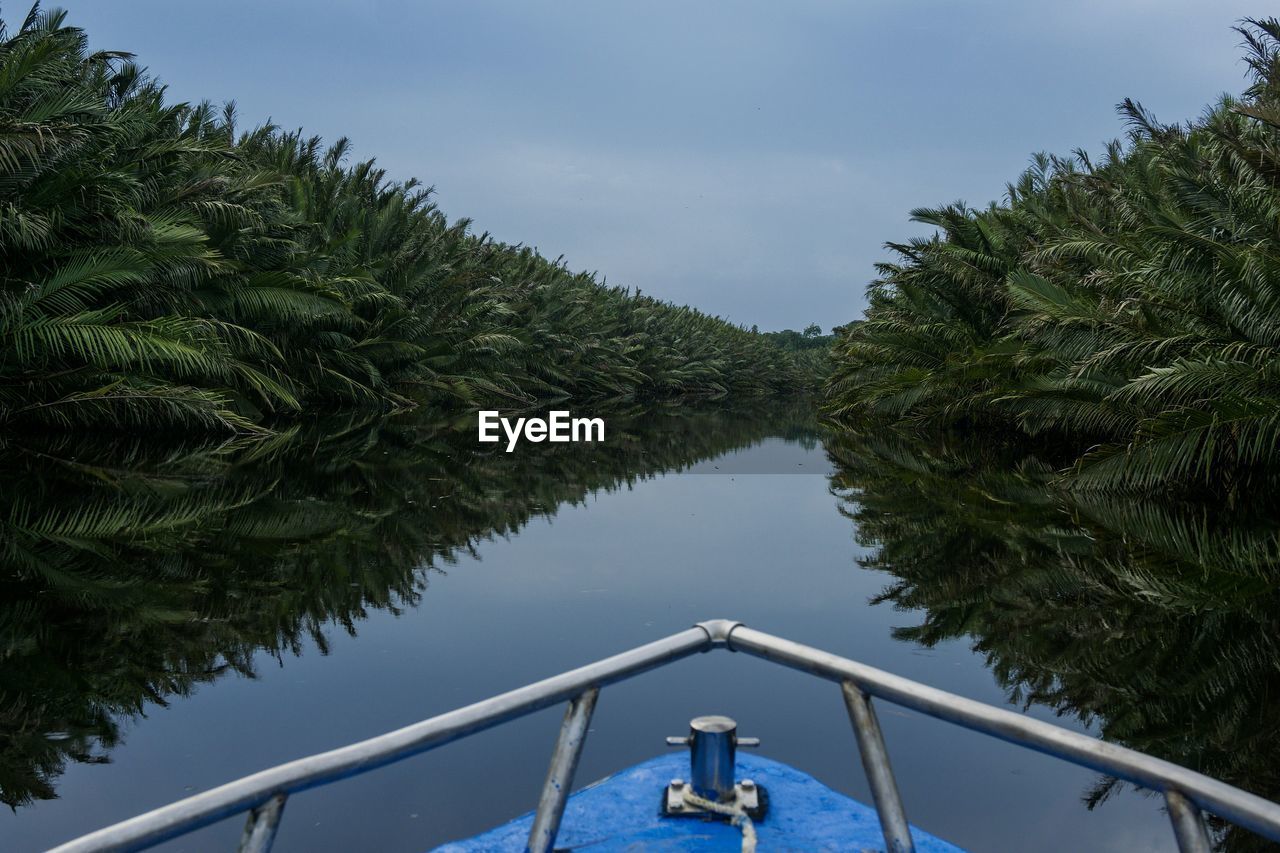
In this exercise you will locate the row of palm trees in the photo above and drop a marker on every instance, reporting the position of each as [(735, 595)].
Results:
[(1127, 307), (161, 269)]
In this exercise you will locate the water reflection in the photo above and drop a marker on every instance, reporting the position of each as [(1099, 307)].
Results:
[(134, 574), (1155, 618), (131, 573)]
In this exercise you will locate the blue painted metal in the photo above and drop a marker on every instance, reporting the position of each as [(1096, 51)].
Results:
[(621, 813)]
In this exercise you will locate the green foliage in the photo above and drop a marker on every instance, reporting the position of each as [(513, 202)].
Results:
[(1128, 308), (158, 269), (1155, 619), (133, 570), (792, 341), (810, 350)]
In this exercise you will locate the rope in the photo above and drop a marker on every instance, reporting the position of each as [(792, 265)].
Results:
[(739, 816)]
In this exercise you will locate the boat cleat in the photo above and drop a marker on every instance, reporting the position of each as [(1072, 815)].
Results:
[(713, 742)]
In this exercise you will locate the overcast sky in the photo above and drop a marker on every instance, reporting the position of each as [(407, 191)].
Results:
[(749, 158)]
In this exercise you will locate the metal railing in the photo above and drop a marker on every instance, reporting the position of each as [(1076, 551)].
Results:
[(263, 794)]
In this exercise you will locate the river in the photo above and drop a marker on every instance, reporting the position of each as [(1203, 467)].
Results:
[(177, 616)]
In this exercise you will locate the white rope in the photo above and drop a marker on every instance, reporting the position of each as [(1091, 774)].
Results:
[(740, 817)]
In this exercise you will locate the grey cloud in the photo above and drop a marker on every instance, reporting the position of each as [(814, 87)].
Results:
[(749, 158)]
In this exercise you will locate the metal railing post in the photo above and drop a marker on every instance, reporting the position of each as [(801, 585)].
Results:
[(875, 761), (260, 828), (1188, 825), (564, 763)]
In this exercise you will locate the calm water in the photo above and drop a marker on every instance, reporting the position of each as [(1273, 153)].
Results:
[(177, 617)]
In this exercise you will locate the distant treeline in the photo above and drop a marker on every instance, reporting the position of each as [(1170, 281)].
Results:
[(161, 269), (1126, 308), (793, 341), (810, 349)]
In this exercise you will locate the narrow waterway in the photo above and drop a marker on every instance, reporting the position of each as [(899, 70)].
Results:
[(572, 557)]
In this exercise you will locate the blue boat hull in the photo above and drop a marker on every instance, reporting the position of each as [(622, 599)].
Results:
[(621, 812)]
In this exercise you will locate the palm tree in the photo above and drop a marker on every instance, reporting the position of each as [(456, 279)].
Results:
[(1127, 308), (163, 271)]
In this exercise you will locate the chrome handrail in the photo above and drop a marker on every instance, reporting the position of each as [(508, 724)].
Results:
[(263, 794)]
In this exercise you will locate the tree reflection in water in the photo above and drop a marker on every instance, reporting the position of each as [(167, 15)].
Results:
[(1155, 617), (133, 572)]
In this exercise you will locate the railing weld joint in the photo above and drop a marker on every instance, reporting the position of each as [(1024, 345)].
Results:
[(261, 825), (1188, 824)]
